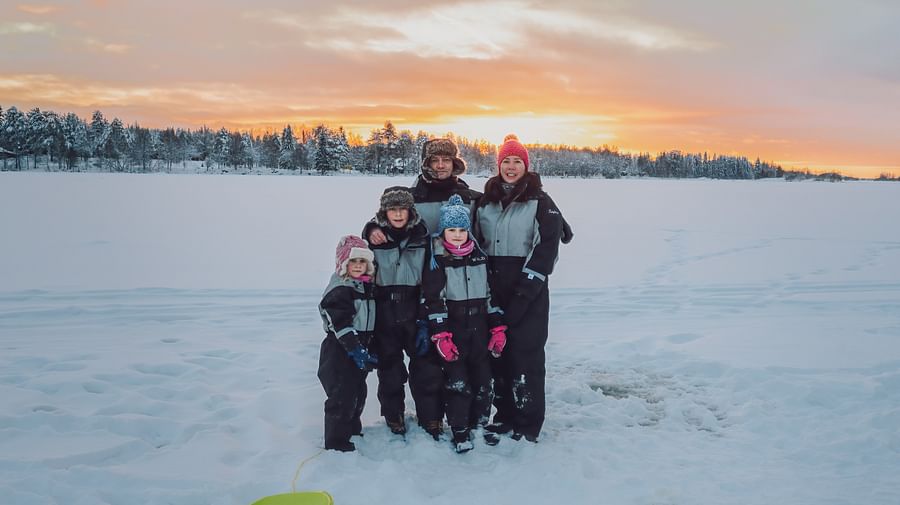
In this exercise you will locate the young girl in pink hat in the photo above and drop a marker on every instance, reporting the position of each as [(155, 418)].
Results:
[(348, 313)]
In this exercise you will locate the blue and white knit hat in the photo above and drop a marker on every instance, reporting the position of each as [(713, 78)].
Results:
[(454, 214)]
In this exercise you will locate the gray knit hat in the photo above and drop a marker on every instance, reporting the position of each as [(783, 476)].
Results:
[(441, 147)]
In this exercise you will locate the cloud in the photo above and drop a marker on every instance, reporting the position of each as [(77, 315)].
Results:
[(38, 10), (482, 31), (49, 88), (107, 47), (24, 27), (768, 78)]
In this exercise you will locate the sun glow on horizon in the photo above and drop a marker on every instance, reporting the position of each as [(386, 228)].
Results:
[(635, 77), (531, 128)]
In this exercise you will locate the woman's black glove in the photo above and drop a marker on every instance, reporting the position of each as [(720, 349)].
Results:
[(527, 289)]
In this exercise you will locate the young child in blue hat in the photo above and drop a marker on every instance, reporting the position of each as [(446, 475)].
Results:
[(465, 327)]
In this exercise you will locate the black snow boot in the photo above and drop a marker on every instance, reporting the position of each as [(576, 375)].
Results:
[(499, 428), (345, 446), (397, 425), (461, 440), (518, 436), (434, 428)]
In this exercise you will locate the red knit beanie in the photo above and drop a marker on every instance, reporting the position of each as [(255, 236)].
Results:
[(512, 147)]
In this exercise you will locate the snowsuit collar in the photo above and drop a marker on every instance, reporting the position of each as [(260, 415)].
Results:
[(529, 186)]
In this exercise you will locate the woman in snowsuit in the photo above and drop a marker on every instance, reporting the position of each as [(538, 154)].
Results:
[(520, 228), (465, 326), (348, 313), (398, 281)]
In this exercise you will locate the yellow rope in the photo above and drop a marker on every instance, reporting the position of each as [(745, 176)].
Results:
[(297, 473)]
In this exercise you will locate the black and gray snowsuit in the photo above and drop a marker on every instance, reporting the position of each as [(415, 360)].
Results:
[(521, 232), (458, 300), (348, 313), (398, 283), (431, 194)]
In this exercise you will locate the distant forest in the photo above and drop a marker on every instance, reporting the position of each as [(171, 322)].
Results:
[(46, 140)]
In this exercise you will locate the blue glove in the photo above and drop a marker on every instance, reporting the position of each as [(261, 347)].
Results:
[(363, 359), (423, 339)]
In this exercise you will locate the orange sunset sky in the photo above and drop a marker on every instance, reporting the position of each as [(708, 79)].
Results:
[(803, 83)]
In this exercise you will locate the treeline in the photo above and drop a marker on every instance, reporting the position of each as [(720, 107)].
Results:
[(46, 140), (607, 162)]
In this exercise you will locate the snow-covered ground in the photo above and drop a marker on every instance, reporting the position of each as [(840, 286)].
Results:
[(712, 342)]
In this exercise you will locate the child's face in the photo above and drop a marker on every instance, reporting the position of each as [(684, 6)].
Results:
[(456, 236), (398, 217), (357, 267)]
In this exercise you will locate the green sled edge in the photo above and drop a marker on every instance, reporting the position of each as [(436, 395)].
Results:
[(302, 498)]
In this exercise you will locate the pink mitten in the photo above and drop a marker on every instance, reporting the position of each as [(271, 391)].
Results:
[(498, 340), (445, 346)]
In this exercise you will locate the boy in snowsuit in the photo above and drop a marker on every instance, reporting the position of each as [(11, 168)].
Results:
[(398, 283), (465, 326), (348, 313)]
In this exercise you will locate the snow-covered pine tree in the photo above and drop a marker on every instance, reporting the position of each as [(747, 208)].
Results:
[(184, 143), (341, 149), (392, 156), (408, 155), (2, 138), (235, 150), (37, 134), (75, 140), (13, 135), (287, 158), (116, 145), (170, 150), (139, 147), (325, 157), (156, 147), (374, 151), (251, 156), (204, 140), (221, 148), (269, 150), (97, 132)]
